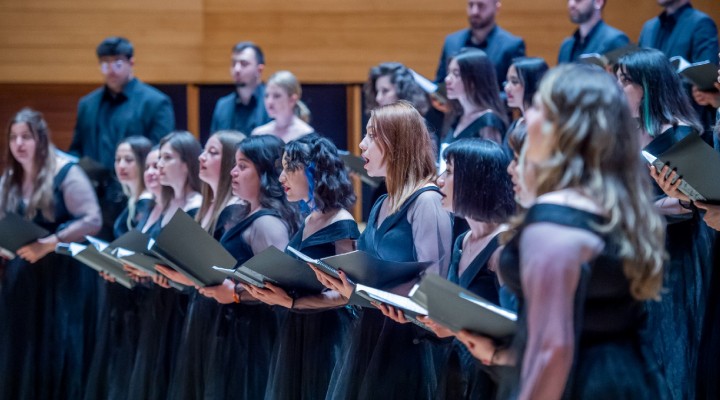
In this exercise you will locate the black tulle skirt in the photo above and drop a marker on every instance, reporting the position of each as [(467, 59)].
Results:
[(47, 314), (384, 359), (308, 348)]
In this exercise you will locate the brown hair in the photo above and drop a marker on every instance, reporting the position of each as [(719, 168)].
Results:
[(401, 133), (44, 160), (229, 141)]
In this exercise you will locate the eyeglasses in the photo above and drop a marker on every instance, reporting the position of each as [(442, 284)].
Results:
[(116, 65)]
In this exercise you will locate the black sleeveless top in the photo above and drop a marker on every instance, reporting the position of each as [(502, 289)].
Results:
[(233, 241), (477, 277), (606, 308), (62, 216)]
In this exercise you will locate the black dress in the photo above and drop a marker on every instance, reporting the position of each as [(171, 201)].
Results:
[(47, 314), (118, 326), (162, 314), (190, 373), (462, 376), (610, 357), (309, 343), (244, 334), (385, 359), (708, 369), (675, 323)]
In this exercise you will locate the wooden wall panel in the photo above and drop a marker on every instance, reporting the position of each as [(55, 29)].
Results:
[(322, 41)]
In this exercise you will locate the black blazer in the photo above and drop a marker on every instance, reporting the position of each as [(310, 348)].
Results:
[(502, 47), (601, 39), (694, 35), (147, 112)]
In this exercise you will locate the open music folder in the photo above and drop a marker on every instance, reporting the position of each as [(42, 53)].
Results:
[(694, 160), (16, 232), (186, 247), (93, 256), (363, 268), (456, 308), (274, 266)]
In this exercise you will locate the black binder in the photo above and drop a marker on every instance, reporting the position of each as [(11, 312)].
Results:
[(16, 232), (456, 308), (274, 266), (357, 165), (96, 259), (187, 248)]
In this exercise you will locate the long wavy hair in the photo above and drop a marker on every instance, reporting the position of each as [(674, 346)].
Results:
[(319, 158), (228, 140), (401, 133), (405, 86), (42, 197), (596, 152), (265, 152), (188, 148)]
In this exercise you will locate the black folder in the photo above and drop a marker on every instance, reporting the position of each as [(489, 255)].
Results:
[(132, 248), (187, 248), (274, 266), (694, 160), (366, 269), (16, 232), (96, 259), (703, 74), (357, 165), (456, 308)]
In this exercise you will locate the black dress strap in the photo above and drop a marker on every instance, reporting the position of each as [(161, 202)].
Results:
[(60, 177), (479, 262), (564, 215)]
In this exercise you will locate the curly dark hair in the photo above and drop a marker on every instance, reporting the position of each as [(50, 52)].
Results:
[(405, 86), (332, 187), (265, 152)]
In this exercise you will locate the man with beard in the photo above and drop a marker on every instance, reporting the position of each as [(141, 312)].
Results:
[(484, 34), (593, 34), (244, 109)]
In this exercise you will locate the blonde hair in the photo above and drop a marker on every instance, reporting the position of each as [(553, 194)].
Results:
[(286, 81), (229, 141), (401, 133), (597, 153), (42, 197)]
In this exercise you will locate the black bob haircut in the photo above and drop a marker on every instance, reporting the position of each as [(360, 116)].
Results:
[(482, 189)]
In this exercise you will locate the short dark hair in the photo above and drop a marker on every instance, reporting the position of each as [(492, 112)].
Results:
[(259, 56), (530, 71), (115, 46), (482, 189), (332, 187)]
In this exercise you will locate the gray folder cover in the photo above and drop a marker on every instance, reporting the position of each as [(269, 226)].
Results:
[(99, 261), (274, 266), (16, 232), (694, 160), (132, 248), (186, 247), (366, 269), (456, 308)]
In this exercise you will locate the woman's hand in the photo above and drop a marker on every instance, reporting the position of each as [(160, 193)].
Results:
[(341, 285), (665, 182), (712, 214), (439, 330), (223, 293), (134, 273), (481, 347), (174, 275), (33, 252), (271, 294), (107, 277), (161, 281), (391, 312)]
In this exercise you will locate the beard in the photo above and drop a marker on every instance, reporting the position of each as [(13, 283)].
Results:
[(582, 16), (477, 24)]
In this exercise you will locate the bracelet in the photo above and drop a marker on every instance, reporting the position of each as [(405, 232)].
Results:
[(688, 206)]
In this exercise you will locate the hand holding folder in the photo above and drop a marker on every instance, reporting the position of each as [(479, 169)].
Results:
[(16, 232)]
